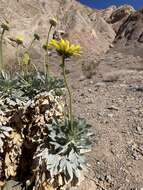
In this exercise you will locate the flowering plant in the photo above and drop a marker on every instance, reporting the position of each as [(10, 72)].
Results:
[(33, 119)]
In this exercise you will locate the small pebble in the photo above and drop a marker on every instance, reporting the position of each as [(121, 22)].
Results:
[(89, 90), (110, 115), (82, 78), (108, 178), (139, 130), (82, 94), (135, 156), (91, 82)]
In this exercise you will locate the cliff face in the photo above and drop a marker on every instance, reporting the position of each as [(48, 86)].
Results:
[(131, 30), (126, 52)]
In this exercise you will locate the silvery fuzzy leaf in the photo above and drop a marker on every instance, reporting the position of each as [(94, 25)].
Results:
[(63, 163), (52, 159), (57, 145), (6, 133), (81, 159), (83, 151), (82, 164), (75, 163), (54, 169), (69, 173), (29, 103), (72, 155), (77, 173), (53, 163), (44, 154), (2, 135), (18, 101), (4, 128), (10, 102), (52, 135), (64, 149)]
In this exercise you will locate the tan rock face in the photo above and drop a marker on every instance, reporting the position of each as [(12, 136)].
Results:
[(132, 29), (116, 15), (106, 13), (120, 13)]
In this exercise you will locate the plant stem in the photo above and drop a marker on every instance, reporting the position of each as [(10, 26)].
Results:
[(1, 50), (69, 92), (17, 56), (46, 59), (31, 44)]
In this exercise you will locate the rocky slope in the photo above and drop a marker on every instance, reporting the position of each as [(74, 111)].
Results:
[(111, 99), (126, 53), (76, 20)]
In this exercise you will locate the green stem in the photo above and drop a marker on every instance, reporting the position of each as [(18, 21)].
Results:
[(34, 66), (69, 93), (1, 50), (47, 41), (31, 44), (46, 59), (27, 50), (17, 56), (19, 60)]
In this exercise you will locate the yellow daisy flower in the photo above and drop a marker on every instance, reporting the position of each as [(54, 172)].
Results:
[(65, 48)]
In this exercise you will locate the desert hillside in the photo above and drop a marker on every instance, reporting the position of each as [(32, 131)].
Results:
[(106, 80)]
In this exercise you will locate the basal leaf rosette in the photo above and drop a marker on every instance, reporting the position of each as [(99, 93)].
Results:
[(60, 157)]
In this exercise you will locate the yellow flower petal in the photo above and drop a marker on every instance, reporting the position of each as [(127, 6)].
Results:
[(55, 44), (64, 47)]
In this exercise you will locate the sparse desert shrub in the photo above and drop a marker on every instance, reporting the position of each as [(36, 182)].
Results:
[(89, 69), (33, 120)]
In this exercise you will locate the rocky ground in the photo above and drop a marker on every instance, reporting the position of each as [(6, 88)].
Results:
[(112, 102), (114, 108), (107, 85)]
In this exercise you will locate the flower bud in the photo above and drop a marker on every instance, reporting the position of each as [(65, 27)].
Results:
[(36, 37), (5, 26), (45, 46), (53, 21)]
